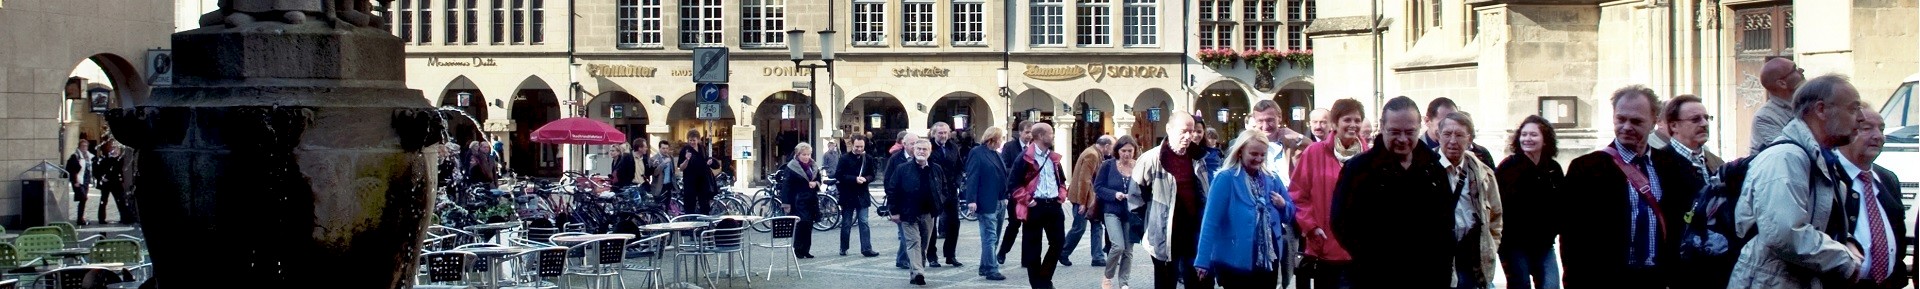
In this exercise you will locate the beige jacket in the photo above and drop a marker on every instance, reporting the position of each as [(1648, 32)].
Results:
[(1789, 248), (1487, 187), (1147, 171)]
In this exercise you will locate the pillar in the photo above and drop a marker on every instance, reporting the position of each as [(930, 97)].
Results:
[(1063, 138)]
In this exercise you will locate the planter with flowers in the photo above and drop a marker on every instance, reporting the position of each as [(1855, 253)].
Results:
[(1218, 57), (1299, 58), (1264, 62)]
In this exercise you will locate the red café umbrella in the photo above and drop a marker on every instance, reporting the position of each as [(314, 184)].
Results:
[(578, 130)]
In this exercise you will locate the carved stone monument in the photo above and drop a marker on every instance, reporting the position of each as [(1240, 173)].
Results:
[(288, 153)]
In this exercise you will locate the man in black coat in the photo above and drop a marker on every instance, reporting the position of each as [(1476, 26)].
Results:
[(697, 187), (910, 188), (1869, 178), (1393, 208), (1613, 237), (898, 158), (1010, 153), (986, 187), (854, 174), (947, 155)]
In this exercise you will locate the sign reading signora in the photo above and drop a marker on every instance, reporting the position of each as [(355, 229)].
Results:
[(1097, 71), (475, 62)]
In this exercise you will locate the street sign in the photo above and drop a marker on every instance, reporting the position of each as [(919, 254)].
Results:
[(160, 67), (710, 65), (710, 111), (713, 100)]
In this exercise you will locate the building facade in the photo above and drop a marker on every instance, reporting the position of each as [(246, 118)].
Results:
[(52, 52), (1508, 59), (1090, 67)]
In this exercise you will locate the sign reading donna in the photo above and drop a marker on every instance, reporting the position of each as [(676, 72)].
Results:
[(475, 62), (1096, 71)]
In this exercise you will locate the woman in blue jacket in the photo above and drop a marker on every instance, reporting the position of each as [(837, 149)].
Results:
[(1113, 185), (1236, 255)]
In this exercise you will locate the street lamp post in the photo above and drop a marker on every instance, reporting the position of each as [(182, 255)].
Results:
[(797, 52)]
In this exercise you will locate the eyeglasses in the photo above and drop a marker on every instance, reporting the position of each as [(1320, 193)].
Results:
[(1698, 119)]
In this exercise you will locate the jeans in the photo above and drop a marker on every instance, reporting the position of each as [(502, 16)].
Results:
[(855, 217), (1120, 254), (1527, 269), (1080, 222), (989, 227), (1044, 220)]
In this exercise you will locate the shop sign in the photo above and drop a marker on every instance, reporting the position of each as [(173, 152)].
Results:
[(474, 62), (683, 72), (620, 70), (785, 71), (921, 72), (1097, 71)]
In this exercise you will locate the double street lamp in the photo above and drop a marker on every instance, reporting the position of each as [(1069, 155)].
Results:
[(795, 48)]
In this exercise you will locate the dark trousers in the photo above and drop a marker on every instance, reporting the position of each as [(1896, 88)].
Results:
[(1168, 274), (1259, 279), (80, 197), (119, 199), (699, 201), (949, 233), (1325, 275), (1010, 233), (1044, 220), (808, 212)]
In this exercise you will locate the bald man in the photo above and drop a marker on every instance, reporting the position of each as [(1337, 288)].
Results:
[(1780, 76)]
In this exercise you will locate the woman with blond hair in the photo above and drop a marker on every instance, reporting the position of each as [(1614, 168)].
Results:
[(1243, 239), (799, 186)]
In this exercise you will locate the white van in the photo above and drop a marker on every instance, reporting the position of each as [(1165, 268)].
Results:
[(1902, 114)]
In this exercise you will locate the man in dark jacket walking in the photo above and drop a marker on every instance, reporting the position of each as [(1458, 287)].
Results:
[(947, 155), (1621, 228), (910, 188), (986, 187), (855, 172), (1393, 209), (903, 157)]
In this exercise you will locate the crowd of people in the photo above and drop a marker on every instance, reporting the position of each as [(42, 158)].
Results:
[(1417, 205)]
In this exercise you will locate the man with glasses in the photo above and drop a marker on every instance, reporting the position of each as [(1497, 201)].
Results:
[(1780, 76), (1684, 125)]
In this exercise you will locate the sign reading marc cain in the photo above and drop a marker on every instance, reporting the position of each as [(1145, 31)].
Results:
[(620, 70), (1095, 70)]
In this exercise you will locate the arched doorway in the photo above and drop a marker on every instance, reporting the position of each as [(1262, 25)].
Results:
[(1297, 99), (879, 114), (966, 112), (1035, 105), (99, 83), (622, 110), (781, 122), (683, 117), (1093, 117), (533, 106), (1150, 113), (1225, 105), (461, 94)]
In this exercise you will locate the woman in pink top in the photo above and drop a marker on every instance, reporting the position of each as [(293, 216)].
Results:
[(1312, 189)]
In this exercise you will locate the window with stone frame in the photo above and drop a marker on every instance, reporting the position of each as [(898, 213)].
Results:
[(1262, 36), (700, 23), (536, 26), (1296, 10), (626, 23), (1048, 26), (917, 23), (405, 29), (452, 22), (499, 20), (425, 8), (1207, 37), (470, 20), (1206, 10), (763, 23), (969, 23), (1297, 37), (519, 11), (1142, 23), (1223, 11), (869, 22), (1094, 23)]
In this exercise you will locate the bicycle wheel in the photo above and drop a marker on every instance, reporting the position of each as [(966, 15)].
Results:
[(829, 206), (766, 208)]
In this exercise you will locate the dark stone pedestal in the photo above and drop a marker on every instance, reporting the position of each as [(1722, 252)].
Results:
[(285, 156)]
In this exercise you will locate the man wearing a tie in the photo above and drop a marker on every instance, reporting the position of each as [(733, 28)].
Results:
[(1880, 223)]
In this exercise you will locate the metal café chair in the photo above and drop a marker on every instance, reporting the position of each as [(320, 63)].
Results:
[(10, 284), (783, 229), (77, 277), (605, 256), (125, 252), (713, 243), (66, 237), (448, 268), (649, 251), (38, 245), (690, 238), (542, 264)]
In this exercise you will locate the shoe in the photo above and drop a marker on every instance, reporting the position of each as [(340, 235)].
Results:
[(870, 254), (1099, 263), (918, 280), (933, 264), (955, 264), (1002, 258), (1106, 283), (1064, 262), (843, 253), (901, 266), (996, 276)]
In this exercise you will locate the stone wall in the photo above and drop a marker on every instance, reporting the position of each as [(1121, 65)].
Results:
[(40, 43)]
